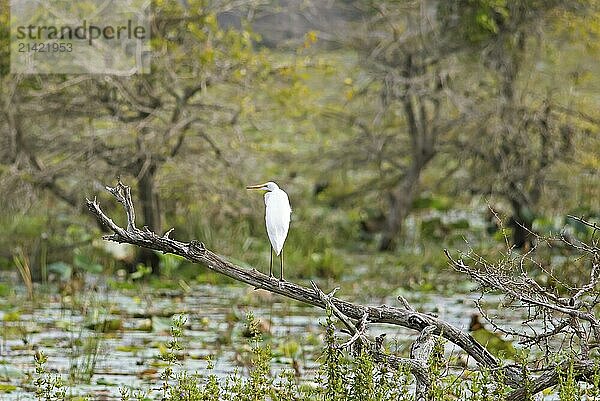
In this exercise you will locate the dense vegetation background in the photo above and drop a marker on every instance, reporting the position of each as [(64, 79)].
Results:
[(394, 126)]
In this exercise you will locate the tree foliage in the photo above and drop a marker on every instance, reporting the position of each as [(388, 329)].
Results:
[(391, 111)]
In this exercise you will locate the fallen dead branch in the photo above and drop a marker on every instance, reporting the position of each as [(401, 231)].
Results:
[(355, 317)]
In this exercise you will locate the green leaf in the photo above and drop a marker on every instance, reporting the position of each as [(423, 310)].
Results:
[(84, 263), (62, 269)]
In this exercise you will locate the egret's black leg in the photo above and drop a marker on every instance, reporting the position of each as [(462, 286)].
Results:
[(271, 264), (281, 276)]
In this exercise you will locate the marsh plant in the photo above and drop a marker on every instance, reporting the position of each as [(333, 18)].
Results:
[(83, 357), (48, 386), (343, 375)]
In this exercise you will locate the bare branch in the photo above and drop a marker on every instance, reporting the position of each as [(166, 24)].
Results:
[(581, 370), (197, 252)]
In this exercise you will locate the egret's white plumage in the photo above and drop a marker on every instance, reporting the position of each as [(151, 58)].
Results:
[(277, 217)]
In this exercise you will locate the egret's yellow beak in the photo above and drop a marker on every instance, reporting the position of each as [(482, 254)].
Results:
[(260, 186)]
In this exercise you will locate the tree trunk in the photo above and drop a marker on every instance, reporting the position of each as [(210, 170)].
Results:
[(150, 211), (401, 199), (521, 223)]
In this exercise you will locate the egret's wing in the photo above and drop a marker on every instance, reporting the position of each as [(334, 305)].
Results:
[(277, 217)]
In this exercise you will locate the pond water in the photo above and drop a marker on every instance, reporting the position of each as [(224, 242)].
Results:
[(107, 338)]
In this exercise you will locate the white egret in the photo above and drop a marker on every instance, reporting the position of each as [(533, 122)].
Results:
[(277, 217)]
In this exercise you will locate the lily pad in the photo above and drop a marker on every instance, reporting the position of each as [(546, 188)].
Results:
[(106, 326), (8, 372), (7, 388)]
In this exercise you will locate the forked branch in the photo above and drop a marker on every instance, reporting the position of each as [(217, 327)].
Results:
[(197, 252)]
